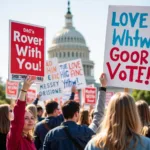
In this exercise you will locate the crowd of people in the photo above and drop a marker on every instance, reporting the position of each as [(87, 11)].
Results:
[(123, 125)]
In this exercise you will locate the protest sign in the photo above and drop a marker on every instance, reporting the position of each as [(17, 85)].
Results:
[(89, 95), (52, 85), (127, 47), (27, 51), (108, 97), (72, 74), (67, 94), (31, 95), (12, 89)]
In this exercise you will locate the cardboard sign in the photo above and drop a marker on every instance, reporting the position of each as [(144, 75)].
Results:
[(108, 97), (52, 85), (67, 94), (127, 49), (89, 95), (27, 51), (72, 74), (12, 89), (31, 95)]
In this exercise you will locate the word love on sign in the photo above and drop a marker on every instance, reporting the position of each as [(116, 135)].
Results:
[(27, 51), (72, 74), (127, 50)]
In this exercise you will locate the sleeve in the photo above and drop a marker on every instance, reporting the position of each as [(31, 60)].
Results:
[(99, 110), (17, 124), (72, 96), (37, 140), (90, 146), (36, 101), (47, 143)]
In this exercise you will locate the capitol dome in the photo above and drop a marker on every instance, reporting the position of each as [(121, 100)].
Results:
[(68, 35), (69, 44)]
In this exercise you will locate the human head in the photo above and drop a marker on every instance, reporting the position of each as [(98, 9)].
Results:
[(70, 110), (121, 120), (32, 108), (52, 108), (39, 110), (6, 115), (30, 119), (84, 117), (144, 113)]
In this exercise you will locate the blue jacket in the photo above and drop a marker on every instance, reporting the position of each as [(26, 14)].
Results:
[(57, 139), (41, 131), (142, 144)]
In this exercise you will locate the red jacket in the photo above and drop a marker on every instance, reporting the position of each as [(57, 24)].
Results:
[(15, 140)]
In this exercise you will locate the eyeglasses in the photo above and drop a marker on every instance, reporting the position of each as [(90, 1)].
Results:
[(10, 110)]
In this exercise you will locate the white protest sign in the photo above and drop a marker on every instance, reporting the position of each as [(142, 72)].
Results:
[(72, 74), (127, 47), (52, 85)]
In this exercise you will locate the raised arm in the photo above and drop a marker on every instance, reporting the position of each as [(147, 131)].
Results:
[(17, 124), (100, 105), (73, 91)]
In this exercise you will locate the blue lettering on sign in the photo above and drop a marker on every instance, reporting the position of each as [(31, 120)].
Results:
[(126, 19), (126, 39)]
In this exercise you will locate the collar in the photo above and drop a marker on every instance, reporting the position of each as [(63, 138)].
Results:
[(69, 124)]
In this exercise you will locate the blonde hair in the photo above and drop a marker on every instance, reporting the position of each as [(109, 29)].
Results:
[(144, 113), (121, 124), (32, 109), (4, 118)]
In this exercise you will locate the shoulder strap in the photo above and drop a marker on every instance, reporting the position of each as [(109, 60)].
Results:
[(77, 145), (46, 125)]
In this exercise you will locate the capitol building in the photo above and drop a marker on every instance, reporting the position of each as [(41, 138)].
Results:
[(69, 44)]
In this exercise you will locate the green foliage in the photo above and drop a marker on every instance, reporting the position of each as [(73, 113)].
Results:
[(139, 94), (3, 99)]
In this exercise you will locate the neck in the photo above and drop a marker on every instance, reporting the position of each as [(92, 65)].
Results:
[(25, 132), (70, 120), (51, 115)]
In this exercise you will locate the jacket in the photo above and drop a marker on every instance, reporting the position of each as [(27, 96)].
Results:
[(57, 139), (41, 130), (143, 143)]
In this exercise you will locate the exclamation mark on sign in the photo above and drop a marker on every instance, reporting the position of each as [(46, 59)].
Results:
[(40, 65), (147, 77)]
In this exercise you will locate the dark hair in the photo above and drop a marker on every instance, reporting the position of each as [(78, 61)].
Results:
[(51, 106), (39, 108), (4, 118), (84, 117), (69, 108)]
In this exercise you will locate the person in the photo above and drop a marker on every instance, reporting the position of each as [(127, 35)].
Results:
[(32, 108), (120, 129), (144, 116), (40, 112), (6, 115), (70, 135), (20, 135), (53, 120), (84, 117)]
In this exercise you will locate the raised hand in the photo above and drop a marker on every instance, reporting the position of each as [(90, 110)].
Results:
[(103, 80)]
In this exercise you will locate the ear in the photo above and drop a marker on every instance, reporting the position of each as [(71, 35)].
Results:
[(76, 114)]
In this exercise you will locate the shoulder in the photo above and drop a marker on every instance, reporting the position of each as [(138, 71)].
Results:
[(145, 140), (54, 133), (85, 129), (91, 145)]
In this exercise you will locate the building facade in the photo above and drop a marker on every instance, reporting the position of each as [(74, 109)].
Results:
[(69, 44)]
